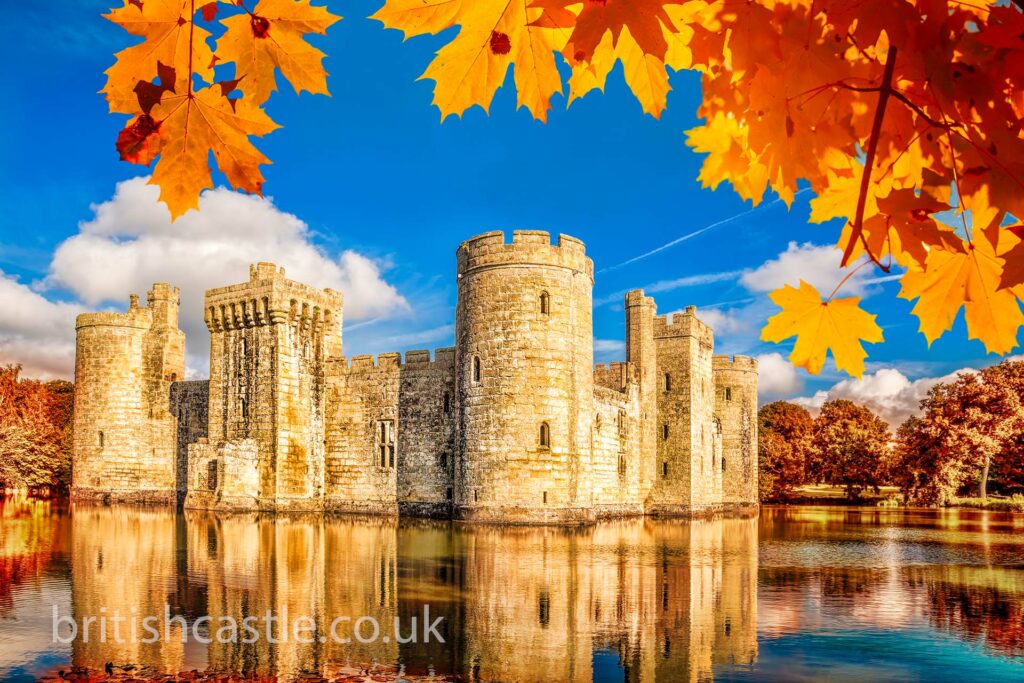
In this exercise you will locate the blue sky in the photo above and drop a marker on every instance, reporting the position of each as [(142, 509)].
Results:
[(372, 173)]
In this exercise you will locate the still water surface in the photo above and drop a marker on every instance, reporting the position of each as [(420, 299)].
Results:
[(796, 594)]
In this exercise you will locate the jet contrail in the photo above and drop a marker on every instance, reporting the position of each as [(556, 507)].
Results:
[(669, 245)]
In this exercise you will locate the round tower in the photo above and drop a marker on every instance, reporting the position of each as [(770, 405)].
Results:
[(110, 400), (524, 375), (736, 409)]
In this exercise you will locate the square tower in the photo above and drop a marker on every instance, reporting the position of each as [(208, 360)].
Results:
[(688, 476), (269, 340)]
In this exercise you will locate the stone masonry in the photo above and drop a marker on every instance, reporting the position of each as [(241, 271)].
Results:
[(515, 424)]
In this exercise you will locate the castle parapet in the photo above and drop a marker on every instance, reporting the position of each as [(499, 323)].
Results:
[(737, 362), (528, 247), (415, 359), (268, 298), (685, 324), (615, 375)]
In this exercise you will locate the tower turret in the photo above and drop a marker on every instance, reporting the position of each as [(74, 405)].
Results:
[(524, 377)]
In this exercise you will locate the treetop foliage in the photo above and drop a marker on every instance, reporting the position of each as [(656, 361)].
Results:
[(891, 111)]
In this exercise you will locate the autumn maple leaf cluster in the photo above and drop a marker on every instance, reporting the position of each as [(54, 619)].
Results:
[(181, 113), (892, 111)]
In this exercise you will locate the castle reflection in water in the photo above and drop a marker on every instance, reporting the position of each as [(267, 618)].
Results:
[(662, 601)]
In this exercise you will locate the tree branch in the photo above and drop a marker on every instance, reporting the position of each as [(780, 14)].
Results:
[(869, 163)]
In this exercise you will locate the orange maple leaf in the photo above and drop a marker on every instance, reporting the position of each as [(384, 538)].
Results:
[(273, 37), (966, 276), (836, 325), (494, 35), (171, 38), (182, 130)]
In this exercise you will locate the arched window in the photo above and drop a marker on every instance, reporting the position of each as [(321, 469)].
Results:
[(545, 303), (668, 381), (545, 435), (476, 368)]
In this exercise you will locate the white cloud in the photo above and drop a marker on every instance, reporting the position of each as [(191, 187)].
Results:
[(776, 376), (723, 322), (131, 243), (35, 332), (888, 392), (817, 265)]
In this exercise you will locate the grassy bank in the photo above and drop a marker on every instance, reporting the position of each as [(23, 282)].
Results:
[(889, 496)]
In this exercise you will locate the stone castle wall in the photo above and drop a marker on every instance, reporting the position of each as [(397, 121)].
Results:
[(514, 424), (736, 409), (125, 437), (687, 474), (524, 375)]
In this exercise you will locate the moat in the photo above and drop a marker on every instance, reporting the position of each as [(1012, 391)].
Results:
[(794, 594)]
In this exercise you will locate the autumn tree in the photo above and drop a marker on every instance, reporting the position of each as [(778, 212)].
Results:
[(882, 107), (967, 427), (850, 444), (892, 112), (784, 431), (35, 431)]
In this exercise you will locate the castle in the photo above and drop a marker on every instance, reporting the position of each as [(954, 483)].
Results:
[(514, 424)]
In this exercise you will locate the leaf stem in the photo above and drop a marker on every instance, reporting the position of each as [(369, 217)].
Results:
[(845, 278), (876, 129)]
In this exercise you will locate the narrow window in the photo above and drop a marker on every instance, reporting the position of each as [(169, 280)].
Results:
[(545, 303), (668, 381), (101, 440), (728, 393), (386, 443), (448, 493), (545, 497), (545, 435), (447, 403), (664, 432), (476, 496), (664, 470), (211, 475), (444, 461), (476, 368), (723, 463), (622, 465), (597, 422)]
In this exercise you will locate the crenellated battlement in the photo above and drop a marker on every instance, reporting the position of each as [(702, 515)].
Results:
[(738, 363), (685, 324), (268, 298), (416, 359), (616, 375), (636, 297), (527, 248), (162, 306)]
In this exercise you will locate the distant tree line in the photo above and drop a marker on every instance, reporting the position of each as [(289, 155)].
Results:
[(968, 438), (35, 431)]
